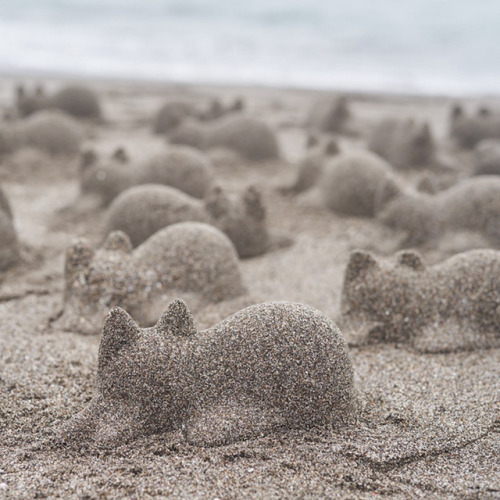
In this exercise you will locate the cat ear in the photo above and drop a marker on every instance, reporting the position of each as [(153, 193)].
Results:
[(252, 198), (332, 148), (311, 141), (456, 112), (118, 241), (411, 259), (359, 263), (387, 190), (119, 330), (20, 91), (120, 155), (177, 320), (78, 258), (87, 159), (216, 202)]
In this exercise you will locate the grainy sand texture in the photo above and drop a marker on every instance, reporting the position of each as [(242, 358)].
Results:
[(275, 401)]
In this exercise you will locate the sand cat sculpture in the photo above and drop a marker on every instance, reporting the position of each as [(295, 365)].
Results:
[(181, 167), (75, 100), (469, 130), (357, 183), (311, 166), (191, 260), (9, 247), (405, 144), (471, 205), (142, 210), (271, 366), (251, 138), (487, 158), (451, 305), (330, 116)]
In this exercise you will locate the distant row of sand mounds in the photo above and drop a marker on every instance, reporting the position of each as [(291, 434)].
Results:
[(470, 129), (75, 100), (174, 112)]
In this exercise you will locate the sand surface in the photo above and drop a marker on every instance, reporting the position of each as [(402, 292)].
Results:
[(429, 423)]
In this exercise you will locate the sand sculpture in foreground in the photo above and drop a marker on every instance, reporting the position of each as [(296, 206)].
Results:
[(189, 260), (449, 306), (277, 365)]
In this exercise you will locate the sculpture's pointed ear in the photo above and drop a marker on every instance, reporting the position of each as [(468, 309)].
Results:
[(456, 112), (254, 206), (119, 330), (332, 148), (411, 259), (78, 258), (20, 91), (120, 155), (359, 263), (118, 241), (39, 90), (311, 141), (216, 202), (87, 159), (177, 320), (387, 191)]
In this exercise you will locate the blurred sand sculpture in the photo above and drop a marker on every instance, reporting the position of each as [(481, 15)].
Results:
[(250, 137), (181, 167), (487, 154), (190, 260), (357, 183), (311, 166), (269, 367), (142, 210), (405, 144), (330, 115), (174, 112), (471, 205), (448, 306), (470, 129), (9, 248), (51, 132), (75, 100)]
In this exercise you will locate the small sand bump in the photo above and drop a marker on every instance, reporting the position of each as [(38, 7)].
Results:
[(272, 366)]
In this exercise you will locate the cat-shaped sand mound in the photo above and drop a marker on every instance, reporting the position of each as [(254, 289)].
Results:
[(142, 210), (471, 205), (405, 144), (449, 306), (269, 367), (469, 130), (190, 260), (75, 100), (9, 247), (181, 167), (330, 115), (357, 183), (251, 138)]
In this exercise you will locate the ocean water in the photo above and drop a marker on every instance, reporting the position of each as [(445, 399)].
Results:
[(417, 46)]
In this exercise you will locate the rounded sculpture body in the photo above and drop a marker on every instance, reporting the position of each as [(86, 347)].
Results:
[(472, 205), (272, 366), (249, 137), (142, 210), (190, 260), (352, 183), (447, 306)]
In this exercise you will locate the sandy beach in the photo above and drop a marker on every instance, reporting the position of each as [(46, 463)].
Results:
[(428, 423)]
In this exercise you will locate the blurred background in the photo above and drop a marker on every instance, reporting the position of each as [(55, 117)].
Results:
[(419, 46)]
